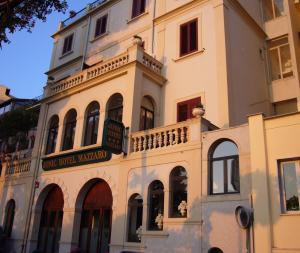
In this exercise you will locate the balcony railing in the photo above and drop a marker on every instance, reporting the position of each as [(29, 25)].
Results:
[(17, 167), (159, 138), (137, 54)]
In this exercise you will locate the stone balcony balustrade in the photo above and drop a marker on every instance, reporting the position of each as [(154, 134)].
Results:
[(133, 54), (17, 167)]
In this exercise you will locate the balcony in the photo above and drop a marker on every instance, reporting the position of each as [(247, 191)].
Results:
[(133, 54), (176, 135), (17, 167)]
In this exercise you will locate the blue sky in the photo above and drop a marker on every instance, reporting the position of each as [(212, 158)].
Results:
[(24, 61)]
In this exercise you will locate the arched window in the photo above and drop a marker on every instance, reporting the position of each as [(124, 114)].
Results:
[(52, 134), (51, 221), (178, 192), (96, 218), (70, 127), (224, 168), (156, 204), (9, 217), (115, 107), (147, 114), (135, 217), (92, 122), (214, 250)]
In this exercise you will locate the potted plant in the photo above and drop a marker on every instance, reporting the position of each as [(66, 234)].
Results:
[(198, 110)]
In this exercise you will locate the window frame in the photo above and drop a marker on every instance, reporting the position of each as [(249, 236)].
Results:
[(66, 49), (273, 11), (277, 48), (191, 103), (52, 131), (10, 211), (110, 110), (282, 184), (188, 24), (210, 173), (94, 116), (139, 4), (137, 206), (97, 35), (70, 126)]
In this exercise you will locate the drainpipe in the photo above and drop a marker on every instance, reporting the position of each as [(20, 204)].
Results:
[(154, 13), (33, 186)]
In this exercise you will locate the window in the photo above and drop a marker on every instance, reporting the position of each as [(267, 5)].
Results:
[(92, 122), (272, 9), (156, 204), (280, 59), (224, 168), (189, 37), (290, 185), (101, 24), (70, 127), (147, 114), (9, 217), (115, 107), (287, 106), (185, 109), (68, 43), (52, 134), (135, 217), (138, 7), (178, 192), (51, 221)]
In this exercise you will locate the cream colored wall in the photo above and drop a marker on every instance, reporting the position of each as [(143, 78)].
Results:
[(248, 89), (273, 139)]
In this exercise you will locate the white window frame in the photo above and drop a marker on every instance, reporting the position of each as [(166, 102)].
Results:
[(282, 185), (72, 46), (95, 26), (273, 11)]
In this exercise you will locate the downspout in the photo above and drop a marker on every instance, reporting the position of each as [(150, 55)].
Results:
[(33, 187), (86, 43), (154, 13)]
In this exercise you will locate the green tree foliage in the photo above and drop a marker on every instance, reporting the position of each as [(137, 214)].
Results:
[(16, 15), (16, 121)]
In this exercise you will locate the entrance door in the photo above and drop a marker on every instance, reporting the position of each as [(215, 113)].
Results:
[(51, 222), (96, 219)]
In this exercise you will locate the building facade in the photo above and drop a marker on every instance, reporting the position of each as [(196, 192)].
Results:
[(154, 65)]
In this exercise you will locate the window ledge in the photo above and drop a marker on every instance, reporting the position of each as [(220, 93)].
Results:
[(136, 245), (155, 234), (295, 213), (137, 17), (283, 79), (189, 55), (66, 54), (99, 37)]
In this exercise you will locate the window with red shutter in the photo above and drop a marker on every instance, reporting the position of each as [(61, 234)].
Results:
[(185, 109), (189, 37), (138, 7)]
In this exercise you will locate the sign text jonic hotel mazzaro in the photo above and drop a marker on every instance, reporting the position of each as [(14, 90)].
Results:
[(113, 133)]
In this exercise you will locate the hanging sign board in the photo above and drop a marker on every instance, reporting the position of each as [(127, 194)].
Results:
[(113, 135), (82, 157)]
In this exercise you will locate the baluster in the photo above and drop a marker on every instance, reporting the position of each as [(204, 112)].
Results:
[(155, 141), (171, 137), (140, 144), (176, 135), (133, 144), (187, 134), (150, 141), (145, 143), (160, 139), (182, 134), (165, 138)]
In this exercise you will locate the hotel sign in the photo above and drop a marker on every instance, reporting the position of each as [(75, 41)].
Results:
[(113, 134), (82, 157)]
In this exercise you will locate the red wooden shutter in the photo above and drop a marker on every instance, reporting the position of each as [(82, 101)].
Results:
[(185, 109)]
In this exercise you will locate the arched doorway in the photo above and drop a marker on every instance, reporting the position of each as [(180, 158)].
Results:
[(51, 221), (95, 226)]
